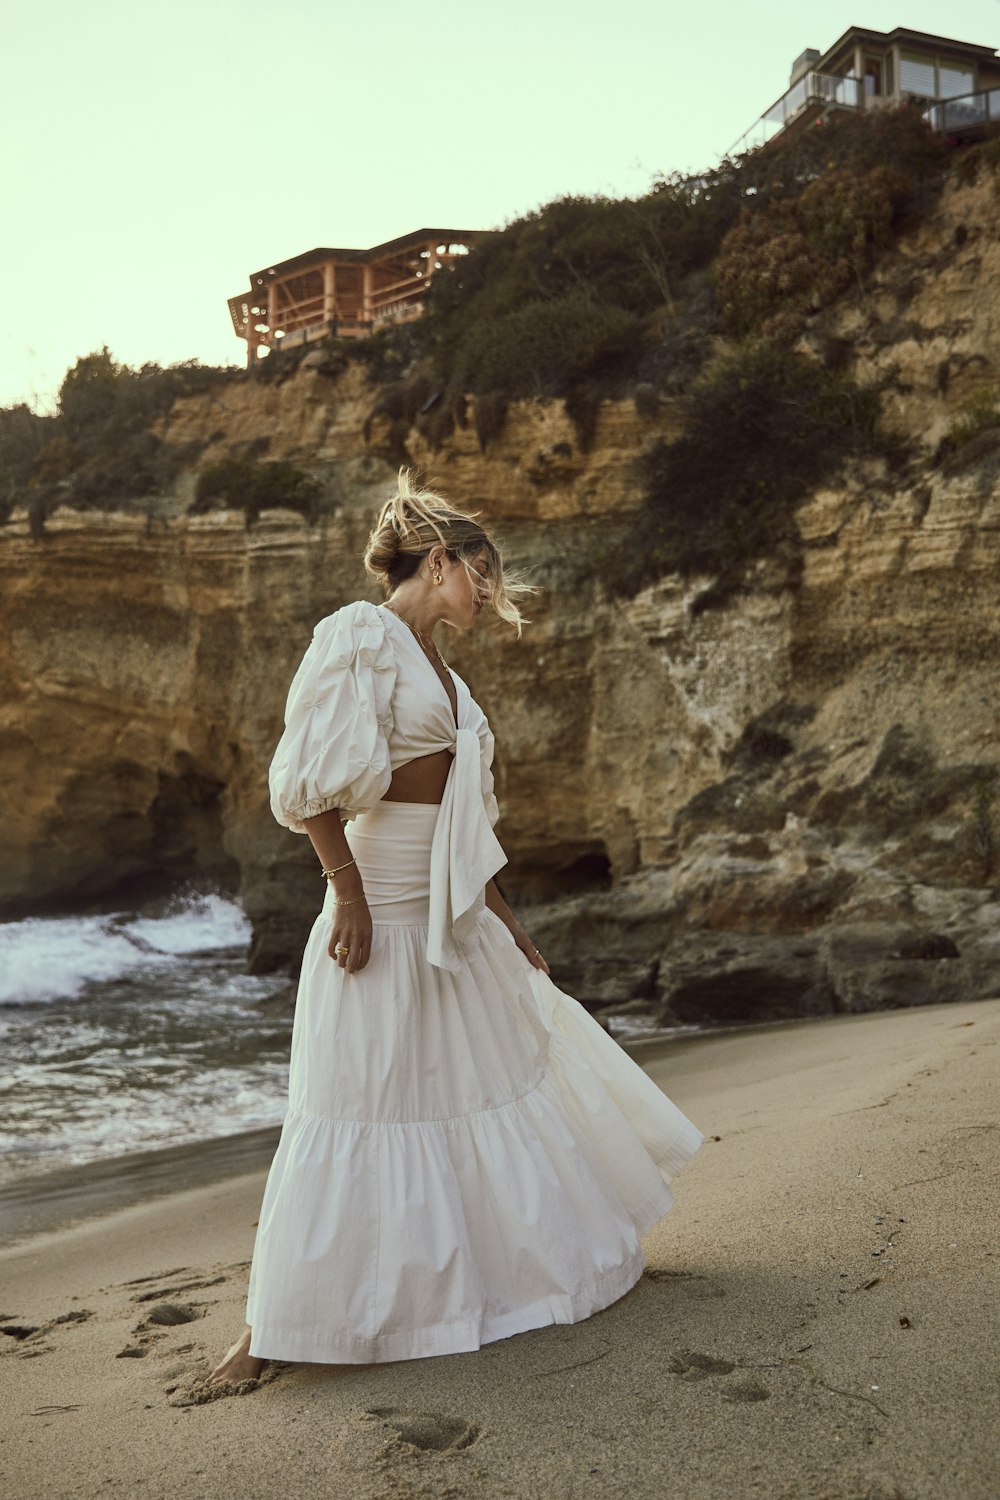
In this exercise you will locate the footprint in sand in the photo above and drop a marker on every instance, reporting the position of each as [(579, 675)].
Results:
[(174, 1291), (746, 1390), (692, 1285), (15, 1330), (156, 1276), (431, 1431), (161, 1289), (155, 1326), (26, 1339), (195, 1369), (171, 1314), (199, 1391), (690, 1365)]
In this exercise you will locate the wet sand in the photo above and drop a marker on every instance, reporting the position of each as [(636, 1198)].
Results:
[(68, 1195), (815, 1319)]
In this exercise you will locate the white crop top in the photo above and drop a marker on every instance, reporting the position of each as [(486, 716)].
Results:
[(365, 700)]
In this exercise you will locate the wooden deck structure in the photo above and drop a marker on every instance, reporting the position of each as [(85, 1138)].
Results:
[(347, 293)]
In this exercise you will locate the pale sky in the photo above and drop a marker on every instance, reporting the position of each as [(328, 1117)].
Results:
[(153, 156)]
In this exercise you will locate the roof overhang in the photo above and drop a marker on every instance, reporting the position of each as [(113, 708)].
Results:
[(322, 254), (903, 36)]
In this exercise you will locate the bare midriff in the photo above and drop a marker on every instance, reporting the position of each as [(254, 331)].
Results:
[(420, 780)]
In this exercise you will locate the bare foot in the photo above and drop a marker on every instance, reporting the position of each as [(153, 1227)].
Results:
[(238, 1363)]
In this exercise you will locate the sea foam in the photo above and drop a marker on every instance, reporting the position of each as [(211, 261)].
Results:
[(45, 959)]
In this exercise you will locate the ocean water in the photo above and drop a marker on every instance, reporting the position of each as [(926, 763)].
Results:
[(126, 1031)]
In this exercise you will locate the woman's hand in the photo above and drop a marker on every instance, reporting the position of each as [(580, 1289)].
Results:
[(527, 947), (352, 929), (499, 908)]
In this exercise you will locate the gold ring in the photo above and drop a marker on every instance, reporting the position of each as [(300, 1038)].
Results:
[(338, 949)]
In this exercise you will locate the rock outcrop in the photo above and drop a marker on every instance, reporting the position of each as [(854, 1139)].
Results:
[(784, 804)]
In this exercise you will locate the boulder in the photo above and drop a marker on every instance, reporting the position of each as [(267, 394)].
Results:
[(733, 978)]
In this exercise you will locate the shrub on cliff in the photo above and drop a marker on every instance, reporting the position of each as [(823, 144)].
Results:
[(795, 257), (100, 447), (974, 431), (563, 295), (23, 437), (101, 400), (545, 348), (821, 209), (249, 485), (596, 294), (761, 429)]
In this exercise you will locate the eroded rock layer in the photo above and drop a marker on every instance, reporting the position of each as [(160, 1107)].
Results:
[(783, 804)]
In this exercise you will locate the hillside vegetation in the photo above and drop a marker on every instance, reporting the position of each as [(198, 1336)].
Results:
[(698, 291)]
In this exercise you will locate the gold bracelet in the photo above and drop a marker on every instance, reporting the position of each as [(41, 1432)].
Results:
[(327, 873), (352, 902)]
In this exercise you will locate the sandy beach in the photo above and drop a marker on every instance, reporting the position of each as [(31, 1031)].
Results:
[(817, 1317)]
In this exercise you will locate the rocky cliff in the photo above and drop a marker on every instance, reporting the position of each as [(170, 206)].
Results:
[(783, 804)]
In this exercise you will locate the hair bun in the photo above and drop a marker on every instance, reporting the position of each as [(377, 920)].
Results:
[(414, 520)]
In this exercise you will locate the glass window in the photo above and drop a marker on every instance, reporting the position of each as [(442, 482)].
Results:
[(954, 80), (916, 75)]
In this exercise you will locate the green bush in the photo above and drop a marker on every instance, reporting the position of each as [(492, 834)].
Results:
[(761, 429), (799, 253), (976, 416), (24, 436), (100, 449), (584, 298), (543, 348), (838, 188), (99, 399), (985, 155), (405, 403), (253, 486), (565, 292)]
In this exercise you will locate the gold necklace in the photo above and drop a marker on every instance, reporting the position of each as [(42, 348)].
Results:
[(428, 645)]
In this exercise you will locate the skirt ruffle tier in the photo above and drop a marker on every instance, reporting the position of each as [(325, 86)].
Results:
[(464, 1157)]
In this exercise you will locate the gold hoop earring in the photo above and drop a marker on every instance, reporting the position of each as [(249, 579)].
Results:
[(438, 578)]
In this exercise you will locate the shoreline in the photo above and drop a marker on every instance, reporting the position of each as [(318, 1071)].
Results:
[(809, 1321), (63, 1197)]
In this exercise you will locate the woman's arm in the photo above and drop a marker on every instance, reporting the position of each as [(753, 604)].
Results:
[(499, 907), (352, 924)]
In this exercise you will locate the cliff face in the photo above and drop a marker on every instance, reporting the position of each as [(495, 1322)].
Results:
[(783, 804)]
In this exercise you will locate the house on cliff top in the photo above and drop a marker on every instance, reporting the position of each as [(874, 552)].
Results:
[(956, 84), (350, 293)]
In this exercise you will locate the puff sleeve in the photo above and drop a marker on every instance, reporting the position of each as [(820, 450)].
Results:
[(338, 719)]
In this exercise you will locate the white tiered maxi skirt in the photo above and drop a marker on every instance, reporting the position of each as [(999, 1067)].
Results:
[(465, 1156)]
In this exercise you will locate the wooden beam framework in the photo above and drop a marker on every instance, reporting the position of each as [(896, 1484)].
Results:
[(348, 293)]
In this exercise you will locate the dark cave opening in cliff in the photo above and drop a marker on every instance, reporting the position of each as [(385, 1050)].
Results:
[(562, 873)]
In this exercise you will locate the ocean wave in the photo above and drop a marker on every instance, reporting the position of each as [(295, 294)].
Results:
[(201, 924), (46, 959)]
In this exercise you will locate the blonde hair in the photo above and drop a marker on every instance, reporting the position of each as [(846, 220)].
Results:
[(410, 523)]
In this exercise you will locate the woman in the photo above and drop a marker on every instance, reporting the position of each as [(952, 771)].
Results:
[(466, 1153)]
